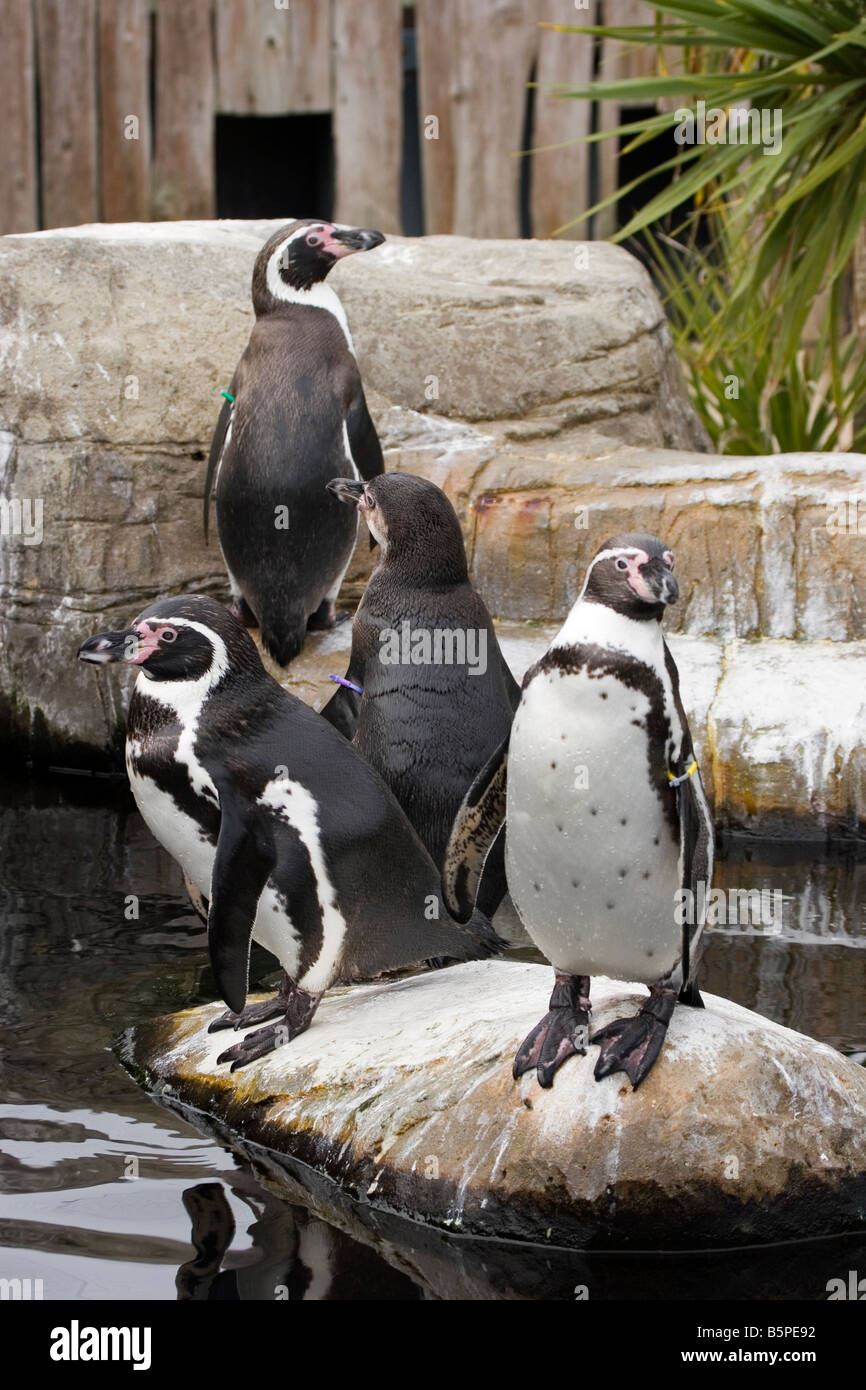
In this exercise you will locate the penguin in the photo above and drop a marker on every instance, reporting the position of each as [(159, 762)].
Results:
[(606, 816), (438, 697), (294, 415), (290, 836)]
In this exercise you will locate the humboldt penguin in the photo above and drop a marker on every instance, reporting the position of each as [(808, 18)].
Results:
[(606, 816), (288, 833), (294, 415), (437, 697)]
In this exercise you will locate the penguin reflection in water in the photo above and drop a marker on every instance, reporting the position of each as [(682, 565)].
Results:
[(606, 814), (437, 695), (294, 415), (286, 832)]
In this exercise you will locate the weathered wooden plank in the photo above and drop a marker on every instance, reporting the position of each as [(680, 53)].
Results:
[(18, 190), (495, 43), (312, 81), (253, 57), (185, 101), (560, 176), (124, 110), (66, 50), (368, 112), (435, 30), (273, 60)]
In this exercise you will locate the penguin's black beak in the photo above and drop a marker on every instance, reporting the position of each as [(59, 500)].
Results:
[(347, 489), (660, 582), (357, 238), (109, 646)]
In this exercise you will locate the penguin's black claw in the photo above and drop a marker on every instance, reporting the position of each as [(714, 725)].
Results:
[(258, 1044), (295, 1007), (561, 1033), (253, 1013), (633, 1044)]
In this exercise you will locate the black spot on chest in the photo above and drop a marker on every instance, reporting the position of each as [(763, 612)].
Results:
[(599, 662)]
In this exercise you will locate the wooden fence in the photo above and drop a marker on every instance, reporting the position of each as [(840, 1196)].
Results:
[(109, 105)]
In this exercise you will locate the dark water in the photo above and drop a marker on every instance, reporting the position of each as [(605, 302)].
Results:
[(101, 1189)]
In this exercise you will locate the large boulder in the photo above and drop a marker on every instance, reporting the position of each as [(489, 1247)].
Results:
[(115, 342), (535, 382), (401, 1093)]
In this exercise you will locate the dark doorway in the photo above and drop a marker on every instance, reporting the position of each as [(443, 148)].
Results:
[(274, 166), (411, 199)]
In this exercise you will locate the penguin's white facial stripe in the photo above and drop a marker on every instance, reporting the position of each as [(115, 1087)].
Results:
[(318, 296), (630, 553), (186, 699), (159, 690), (295, 804)]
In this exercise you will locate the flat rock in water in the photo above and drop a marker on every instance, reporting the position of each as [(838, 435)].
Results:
[(401, 1093)]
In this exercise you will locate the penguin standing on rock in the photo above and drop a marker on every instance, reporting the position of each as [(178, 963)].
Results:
[(438, 697), (288, 834), (607, 820), (294, 415)]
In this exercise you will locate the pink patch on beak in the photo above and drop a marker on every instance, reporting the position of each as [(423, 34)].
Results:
[(338, 249), (148, 643), (636, 581)]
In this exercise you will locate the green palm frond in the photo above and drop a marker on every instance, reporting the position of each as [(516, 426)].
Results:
[(780, 228)]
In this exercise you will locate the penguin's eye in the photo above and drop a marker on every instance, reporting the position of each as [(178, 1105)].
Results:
[(371, 501), (668, 559), (622, 564), (168, 634), (314, 239)]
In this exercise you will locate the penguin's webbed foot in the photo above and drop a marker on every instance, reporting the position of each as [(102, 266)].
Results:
[(253, 1013), (633, 1044), (296, 1009), (326, 617), (562, 1033), (240, 609)]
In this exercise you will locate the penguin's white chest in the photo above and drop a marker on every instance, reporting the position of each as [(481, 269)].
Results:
[(180, 834), (592, 859), (176, 831)]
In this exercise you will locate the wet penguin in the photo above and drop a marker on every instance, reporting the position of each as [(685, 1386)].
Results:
[(438, 697), (294, 415), (286, 831), (606, 814)]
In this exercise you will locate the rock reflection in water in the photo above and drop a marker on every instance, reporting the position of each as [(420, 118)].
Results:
[(96, 934)]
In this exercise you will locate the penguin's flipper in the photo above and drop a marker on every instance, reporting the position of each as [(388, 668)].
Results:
[(221, 436), (697, 850), (344, 706), (476, 826), (342, 710), (512, 689), (363, 439), (245, 857)]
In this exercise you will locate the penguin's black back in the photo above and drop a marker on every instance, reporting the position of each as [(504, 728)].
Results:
[(428, 728)]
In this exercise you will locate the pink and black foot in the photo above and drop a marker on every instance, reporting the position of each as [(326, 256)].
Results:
[(293, 1009), (326, 617), (562, 1033), (633, 1044), (240, 609)]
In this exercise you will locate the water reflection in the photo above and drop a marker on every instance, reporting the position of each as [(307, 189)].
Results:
[(96, 1181)]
